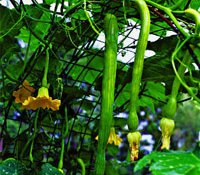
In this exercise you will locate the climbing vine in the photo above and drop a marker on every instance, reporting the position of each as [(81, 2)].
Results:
[(99, 87)]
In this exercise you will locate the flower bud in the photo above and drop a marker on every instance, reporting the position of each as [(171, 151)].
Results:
[(134, 144), (167, 127)]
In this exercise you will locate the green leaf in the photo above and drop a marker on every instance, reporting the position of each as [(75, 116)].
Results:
[(112, 149), (147, 102), (155, 67), (87, 69), (10, 22), (156, 90), (111, 168), (195, 5), (40, 30), (11, 166), (124, 96), (50, 1), (80, 15), (50, 170), (159, 28), (143, 162), (172, 162)]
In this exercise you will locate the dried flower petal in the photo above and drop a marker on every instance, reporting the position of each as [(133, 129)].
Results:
[(113, 137), (24, 91)]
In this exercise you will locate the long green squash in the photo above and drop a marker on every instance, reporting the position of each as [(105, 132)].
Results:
[(108, 87), (138, 63)]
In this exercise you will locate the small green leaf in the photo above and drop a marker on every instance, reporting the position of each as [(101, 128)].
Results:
[(80, 15), (142, 163), (112, 149)]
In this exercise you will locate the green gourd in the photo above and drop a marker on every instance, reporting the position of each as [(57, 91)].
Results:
[(138, 63), (108, 87)]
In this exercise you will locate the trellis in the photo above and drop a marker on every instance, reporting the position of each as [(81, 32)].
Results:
[(73, 62)]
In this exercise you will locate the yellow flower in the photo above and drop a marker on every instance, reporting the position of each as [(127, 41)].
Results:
[(42, 100), (134, 144), (24, 91), (113, 138), (167, 127)]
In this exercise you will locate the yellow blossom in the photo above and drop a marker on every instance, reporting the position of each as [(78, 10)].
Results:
[(167, 127), (24, 91), (113, 137), (42, 100), (134, 144)]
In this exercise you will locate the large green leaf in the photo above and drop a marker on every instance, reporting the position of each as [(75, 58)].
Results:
[(156, 67), (172, 162), (50, 170), (37, 32), (11, 166), (10, 22), (87, 69)]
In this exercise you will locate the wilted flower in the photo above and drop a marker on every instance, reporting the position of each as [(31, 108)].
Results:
[(167, 127), (42, 100), (134, 144), (113, 137), (24, 91)]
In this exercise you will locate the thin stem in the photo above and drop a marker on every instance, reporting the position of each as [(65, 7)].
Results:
[(181, 70), (44, 80), (33, 136), (64, 132), (81, 163), (88, 17), (179, 77)]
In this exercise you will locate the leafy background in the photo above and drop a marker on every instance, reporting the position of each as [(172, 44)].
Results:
[(76, 62)]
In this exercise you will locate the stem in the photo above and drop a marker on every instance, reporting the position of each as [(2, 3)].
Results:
[(30, 139), (189, 89), (81, 163), (181, 69), (44, 80), (64, 134), (11, 28), (33, 136), (88, 17), (138, 63), (196, 16), (169, 13)]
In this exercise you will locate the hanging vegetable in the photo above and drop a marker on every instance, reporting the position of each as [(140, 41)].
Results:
[(136, 78), (108, 87)]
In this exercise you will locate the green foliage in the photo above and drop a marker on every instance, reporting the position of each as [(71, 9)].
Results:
[(50, 170), (172, 162), (12, 167), (75, 77)]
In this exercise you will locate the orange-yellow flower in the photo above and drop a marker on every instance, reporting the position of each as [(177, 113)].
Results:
[(113, 137), (24, 91), (42, 100), (134, 144)]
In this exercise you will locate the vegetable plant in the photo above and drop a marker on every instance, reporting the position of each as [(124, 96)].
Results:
[(99, 87)]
